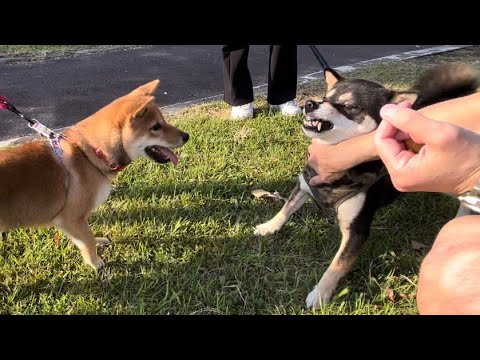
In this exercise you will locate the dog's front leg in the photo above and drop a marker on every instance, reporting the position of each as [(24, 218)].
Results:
[(295, 201), (82, 236), (354, 221)]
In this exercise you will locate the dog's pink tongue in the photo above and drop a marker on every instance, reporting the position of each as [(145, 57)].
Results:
[(170, 155)]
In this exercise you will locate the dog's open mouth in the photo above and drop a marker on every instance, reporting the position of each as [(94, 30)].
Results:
[(161, 154), (317, 125)]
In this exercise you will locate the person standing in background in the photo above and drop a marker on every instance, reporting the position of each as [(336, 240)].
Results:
[(282, 80)]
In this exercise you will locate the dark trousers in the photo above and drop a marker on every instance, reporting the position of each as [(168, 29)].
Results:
[(282, 74)]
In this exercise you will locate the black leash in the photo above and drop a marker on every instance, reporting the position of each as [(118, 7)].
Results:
[(320, 58)]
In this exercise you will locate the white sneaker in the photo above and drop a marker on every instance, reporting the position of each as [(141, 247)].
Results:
[(242, 112), (290, 108)]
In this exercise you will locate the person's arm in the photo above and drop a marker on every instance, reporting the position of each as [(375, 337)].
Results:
[(463, 112), (331, 160), (448, 162)]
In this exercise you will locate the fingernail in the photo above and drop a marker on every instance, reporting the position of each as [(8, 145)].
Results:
[(388, 110)]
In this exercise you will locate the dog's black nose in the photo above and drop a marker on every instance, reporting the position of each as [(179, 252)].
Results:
[(185, 137), (310, 106)]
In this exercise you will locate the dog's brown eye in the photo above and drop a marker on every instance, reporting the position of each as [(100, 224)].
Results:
[(156, 127)]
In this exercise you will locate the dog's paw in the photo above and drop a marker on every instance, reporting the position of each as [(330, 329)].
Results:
[(313, 299), (97, 263), (265, 229), (102, 241), (316, 298)]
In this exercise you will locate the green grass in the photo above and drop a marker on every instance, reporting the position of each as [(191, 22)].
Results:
[(36, 52), (30, 49), (183, 236)]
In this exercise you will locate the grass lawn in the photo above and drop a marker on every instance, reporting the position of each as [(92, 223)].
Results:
[(41, 52), (183, 236)]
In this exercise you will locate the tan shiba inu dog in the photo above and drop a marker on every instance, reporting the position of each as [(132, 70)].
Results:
[(39, 188)]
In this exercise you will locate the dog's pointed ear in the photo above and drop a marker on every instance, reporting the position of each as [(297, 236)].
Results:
[(146, 89), (399, 96), (141, 107), (331, 78)]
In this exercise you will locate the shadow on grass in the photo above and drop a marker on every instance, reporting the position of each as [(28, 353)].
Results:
[(236, 273)]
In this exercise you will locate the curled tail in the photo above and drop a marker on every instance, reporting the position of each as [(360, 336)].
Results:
[(445, 82)]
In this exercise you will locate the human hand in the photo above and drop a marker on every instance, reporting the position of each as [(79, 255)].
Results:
[(327, 161), (331, 161), (448, 162)]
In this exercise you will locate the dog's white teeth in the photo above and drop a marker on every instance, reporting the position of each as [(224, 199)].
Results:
[(315, 123), (319, 127), (308, 123)]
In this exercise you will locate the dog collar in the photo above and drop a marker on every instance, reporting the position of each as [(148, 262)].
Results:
[(116, 168)]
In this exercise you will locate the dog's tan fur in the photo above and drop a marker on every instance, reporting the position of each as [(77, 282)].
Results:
[(37, 189)]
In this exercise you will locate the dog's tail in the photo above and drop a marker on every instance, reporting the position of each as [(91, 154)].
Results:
[(445, 82)]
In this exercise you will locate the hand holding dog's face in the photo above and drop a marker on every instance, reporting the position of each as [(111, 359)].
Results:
[(350, 108)]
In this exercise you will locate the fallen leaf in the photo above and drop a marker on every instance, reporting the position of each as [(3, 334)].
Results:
[(391, 295), (56, 239), (262, 193), (277, 194), (418, 246), (409, 296)]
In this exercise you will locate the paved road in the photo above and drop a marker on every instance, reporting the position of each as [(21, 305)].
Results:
[(62, 92)]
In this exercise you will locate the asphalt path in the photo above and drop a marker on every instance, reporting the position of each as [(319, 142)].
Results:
[(62, 92)]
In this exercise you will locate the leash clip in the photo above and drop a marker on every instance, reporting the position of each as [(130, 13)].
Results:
[(52, 136), (41, 129)]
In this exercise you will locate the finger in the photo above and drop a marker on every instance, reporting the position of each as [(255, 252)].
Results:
[(386, 131), (326, 178), (405, 137), (399, 134), (386, 142), (391, 150), (420, 128), (316, 180), (405, 104), (402, 135)]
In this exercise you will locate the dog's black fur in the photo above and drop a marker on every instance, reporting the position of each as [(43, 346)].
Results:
[(352, 107)]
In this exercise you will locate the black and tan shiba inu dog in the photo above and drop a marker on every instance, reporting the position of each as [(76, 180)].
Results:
[(350, 108)]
